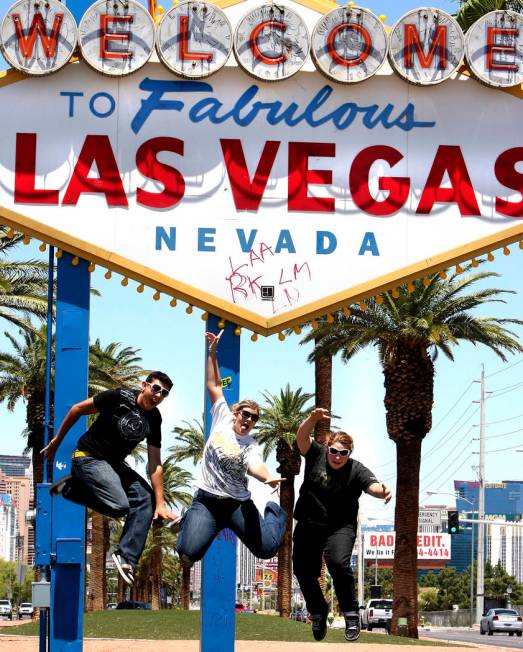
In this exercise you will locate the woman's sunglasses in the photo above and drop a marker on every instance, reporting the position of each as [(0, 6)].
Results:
[(158, 389), (245, 414), (344, 452)]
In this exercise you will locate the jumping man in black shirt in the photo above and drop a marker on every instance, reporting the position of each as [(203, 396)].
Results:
[(327, 515), (100, 478)]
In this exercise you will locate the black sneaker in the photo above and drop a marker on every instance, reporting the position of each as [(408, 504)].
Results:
[(352, 625), (319, 626), (124, 568), (56, 489)]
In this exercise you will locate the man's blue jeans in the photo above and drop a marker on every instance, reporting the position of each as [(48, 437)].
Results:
[(209, 514), (116, 491)]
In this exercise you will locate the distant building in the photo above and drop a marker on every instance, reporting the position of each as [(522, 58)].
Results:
[(503, 543), (16, 479), (20, 490), (7, 528), (15, 465)]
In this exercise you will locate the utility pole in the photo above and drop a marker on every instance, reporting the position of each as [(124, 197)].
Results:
[(361, 565), (481, 504)]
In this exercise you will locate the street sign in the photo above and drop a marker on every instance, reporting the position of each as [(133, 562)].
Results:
[(429, 517)]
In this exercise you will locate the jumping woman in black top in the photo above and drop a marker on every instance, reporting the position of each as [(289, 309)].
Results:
[(327, 515)]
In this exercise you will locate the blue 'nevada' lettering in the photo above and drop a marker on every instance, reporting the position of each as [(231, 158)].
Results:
[(326, 241), (245, 109)]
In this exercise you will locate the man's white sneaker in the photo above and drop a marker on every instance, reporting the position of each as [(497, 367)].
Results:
[(125, 569)]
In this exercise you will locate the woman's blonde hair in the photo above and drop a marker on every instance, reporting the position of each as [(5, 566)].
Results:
[(246, 403), (341, 437)]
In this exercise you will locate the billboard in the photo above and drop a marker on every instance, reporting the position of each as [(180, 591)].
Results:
[(266, 204), (380, 545)]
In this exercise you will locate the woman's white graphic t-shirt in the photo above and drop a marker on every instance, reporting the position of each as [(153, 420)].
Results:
[(227, 456)]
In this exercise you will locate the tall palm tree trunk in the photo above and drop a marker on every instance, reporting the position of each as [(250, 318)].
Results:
[(156, 567), (285, 551), (323, 393), (409, 392), (185, 598), (98, 580), (408, 456), (323, 399)]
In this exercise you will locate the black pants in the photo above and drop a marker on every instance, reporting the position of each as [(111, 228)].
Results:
[(310, 543)]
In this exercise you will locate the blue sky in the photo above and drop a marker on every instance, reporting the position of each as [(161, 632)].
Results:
[(170, 339)]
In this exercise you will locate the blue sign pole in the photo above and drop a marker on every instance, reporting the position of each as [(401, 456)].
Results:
[(68, 519), (219, 564)]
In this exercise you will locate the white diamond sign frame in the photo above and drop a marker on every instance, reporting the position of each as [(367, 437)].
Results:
[(265, 204)]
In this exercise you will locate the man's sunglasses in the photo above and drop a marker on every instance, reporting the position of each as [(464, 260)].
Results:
[(245, 414), (158, 389), (342, 453)]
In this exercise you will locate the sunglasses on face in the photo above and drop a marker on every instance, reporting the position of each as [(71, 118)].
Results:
[(344, 452), (245, 414), (158, 389)]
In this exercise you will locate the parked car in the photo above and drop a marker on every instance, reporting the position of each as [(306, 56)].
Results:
[(377, 613), (240, 608), (133, 604), (25, 609), (111, 605), (501, 620), (6, 609)]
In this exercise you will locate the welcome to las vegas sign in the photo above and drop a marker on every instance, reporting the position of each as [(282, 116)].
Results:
[(274, 196)]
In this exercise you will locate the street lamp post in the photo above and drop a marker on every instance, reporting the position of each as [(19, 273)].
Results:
[(470, 502)]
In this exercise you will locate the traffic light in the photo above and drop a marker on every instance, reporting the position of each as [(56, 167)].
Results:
[(453, 522)]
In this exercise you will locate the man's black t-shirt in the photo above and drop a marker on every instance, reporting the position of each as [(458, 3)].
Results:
[(328, 496), (120, 426)]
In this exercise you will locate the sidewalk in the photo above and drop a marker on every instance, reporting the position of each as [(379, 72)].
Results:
[(30, 644)]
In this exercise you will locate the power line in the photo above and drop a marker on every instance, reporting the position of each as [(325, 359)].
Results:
[(450, 410), (452, 472), (491, 423), (504, 434), (500, 450), (436, 469), (440, 442), (502, 369), (496, 393)]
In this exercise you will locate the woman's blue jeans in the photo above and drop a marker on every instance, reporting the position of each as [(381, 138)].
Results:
[(210, 514), (117, 491)]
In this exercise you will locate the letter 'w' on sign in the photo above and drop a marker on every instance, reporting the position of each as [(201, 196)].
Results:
[(37, 29)]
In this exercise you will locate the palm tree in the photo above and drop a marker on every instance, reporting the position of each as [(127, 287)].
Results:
[(279, 420), (22, 376), (471, 10), (190, 444), (23, 285), (109, 367), (149, 571), (409, 328)]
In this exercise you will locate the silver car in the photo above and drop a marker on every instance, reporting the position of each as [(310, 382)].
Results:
[(501, 620)]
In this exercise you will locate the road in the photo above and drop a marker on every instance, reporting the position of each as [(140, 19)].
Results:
[(467, 636)]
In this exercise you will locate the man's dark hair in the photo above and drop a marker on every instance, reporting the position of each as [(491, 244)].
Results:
[(163, 378)]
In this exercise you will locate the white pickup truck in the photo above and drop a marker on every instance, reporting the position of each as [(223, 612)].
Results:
[(377, 613), (6, 609)]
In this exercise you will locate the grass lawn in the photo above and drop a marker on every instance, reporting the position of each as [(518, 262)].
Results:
[(185, 625)]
